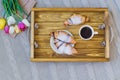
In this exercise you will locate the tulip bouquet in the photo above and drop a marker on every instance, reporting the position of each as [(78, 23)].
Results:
[(13, 21)]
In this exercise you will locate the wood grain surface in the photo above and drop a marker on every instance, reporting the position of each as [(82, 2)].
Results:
[(51, 19)]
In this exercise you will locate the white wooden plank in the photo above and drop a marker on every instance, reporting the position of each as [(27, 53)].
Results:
[(62, 71), (109, 71), (47, 3), (43, 71), (72, 72), (67, 3), (81, 71), (76, 3), (100, 73), (10, 54), (53, 71), (90, 70), (57, 3)]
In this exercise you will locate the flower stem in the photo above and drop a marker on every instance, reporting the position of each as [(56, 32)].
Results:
[(14, 5), (17, 15), (5, 8), (9, 7)]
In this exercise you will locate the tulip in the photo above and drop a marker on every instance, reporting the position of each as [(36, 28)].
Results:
[(26, 22), (11, 20), (11, 30), (17, 30), (21, 26), (2, 23), (6, 29)]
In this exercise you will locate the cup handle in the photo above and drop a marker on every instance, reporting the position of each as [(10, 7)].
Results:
[(95, 32)]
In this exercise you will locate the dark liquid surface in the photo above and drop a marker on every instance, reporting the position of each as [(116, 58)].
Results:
[(86, 32)]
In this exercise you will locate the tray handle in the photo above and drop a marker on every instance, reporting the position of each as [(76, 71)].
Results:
[(111, 34), (102, 27)]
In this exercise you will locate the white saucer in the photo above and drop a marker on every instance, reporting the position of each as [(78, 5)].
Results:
[(54, 48)]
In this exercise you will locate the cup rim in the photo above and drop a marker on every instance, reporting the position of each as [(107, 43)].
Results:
[(88, 27)]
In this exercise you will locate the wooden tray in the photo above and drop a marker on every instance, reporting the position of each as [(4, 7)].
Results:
[(51, 19)]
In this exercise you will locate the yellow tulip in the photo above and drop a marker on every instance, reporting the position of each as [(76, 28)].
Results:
[(2, 23), (17, 30)]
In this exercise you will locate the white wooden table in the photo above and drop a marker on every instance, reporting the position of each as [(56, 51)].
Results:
[(15, 53)]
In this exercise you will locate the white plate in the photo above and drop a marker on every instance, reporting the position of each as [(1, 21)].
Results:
[(54, 48)]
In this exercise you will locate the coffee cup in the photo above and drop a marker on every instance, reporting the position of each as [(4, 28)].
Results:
[(86, 32)]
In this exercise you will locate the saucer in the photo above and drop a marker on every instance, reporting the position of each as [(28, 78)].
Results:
[(54, 48)]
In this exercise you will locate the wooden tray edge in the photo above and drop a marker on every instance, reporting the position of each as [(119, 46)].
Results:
[(107, 31), (70, 60), (32, 34), (69, 9)]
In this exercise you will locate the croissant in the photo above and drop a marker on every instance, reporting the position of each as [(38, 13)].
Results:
[(63, 36), (63, 41), (76, 20)]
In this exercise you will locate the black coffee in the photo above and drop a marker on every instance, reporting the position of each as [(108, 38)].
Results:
[(86, 32)]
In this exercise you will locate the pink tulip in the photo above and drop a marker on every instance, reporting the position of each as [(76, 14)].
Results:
[(6, 29), (21, 26)]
